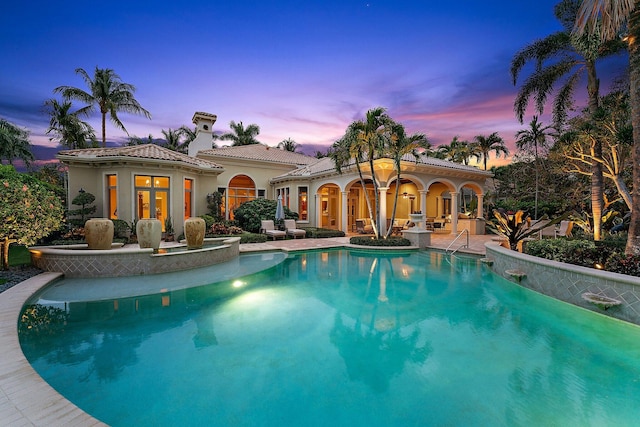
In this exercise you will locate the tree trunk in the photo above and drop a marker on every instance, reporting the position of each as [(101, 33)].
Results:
[(597, 185), (633, 241)]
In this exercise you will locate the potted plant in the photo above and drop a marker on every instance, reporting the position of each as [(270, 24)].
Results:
[(169, 233)]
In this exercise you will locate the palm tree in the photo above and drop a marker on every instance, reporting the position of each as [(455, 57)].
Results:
[(459, 151), (608, 17), (401, 145), (535, 137), (241, 135), (136, 140), (172, 140), (568, 57), (190, 134), (67, 127), (109, 93), (288, 145), (486, 144), (14, 143)]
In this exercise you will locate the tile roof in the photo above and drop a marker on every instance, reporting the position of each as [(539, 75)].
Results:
[(326, 165), (145, 152), (260, 152)]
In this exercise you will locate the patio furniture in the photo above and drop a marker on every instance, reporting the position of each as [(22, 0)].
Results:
[(292, 230), (565, 229), (364, 226), (267, 227)]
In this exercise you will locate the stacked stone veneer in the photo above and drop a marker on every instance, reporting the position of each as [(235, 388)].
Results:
[(568, 282), (130, 261)]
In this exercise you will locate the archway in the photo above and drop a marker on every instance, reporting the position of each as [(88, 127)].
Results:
[(241, 189)]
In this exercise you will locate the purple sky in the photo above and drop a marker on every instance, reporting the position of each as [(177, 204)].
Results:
[(300, 70)]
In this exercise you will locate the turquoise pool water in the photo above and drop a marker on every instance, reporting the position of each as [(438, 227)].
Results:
[(337, 338)]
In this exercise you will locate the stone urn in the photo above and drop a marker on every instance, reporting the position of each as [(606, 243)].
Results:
[(194, 229), (98, 232), (418, 220), (149, 232)]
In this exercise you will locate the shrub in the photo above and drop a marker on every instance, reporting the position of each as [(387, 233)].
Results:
[(253, 238), (208, 221), (368, 241), (322, 233), (623, 264), (121, 228), (556, 249), (249, 214), (220, 228)]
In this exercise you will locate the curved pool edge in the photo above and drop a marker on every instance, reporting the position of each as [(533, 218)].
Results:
[(25, 398)]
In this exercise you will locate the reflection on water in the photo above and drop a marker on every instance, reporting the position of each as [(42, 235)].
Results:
[(338, 337)]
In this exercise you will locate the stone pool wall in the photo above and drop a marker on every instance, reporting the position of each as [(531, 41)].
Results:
[(568, 282), (131, 261)]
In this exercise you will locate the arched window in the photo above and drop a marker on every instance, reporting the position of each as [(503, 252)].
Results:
[(241, 189)]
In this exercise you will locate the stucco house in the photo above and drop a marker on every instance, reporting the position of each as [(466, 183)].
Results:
[(145, 181)]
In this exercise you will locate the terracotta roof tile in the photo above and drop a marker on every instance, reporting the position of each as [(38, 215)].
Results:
[(260, 152), (142, 152)]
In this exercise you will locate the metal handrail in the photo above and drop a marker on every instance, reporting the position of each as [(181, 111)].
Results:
[(461, 246)]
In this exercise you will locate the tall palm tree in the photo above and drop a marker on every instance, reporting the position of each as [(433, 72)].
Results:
[(348, 150), (288, 145), (109, 93), (241, 135), (608, 17), (486, 144), (401, 145), (534, 138), (14, 143), (67, 127), (372, 135), (562, 58)]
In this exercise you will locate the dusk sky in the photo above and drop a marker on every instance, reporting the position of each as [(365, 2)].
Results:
[(300, 70)]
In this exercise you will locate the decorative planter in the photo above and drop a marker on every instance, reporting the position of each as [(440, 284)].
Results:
[(418, 220), (149, 232), (194, 229), (98, 232)]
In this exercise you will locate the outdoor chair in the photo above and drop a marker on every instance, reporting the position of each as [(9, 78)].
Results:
[(292, 230), (267, 227), (565, 229)]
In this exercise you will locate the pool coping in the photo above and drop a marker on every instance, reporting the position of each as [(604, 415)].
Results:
[(26, 399)]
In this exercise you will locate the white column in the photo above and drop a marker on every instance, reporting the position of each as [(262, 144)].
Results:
[(317, 203), (344, 209), (423, 201), (454, 212), (383, 209)]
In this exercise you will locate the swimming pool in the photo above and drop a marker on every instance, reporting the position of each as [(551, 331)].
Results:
[(334, 337)]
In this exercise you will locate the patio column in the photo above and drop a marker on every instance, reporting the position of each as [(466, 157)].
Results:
[(454, 212), (344, 211), (318, 200), (439, 210), (383, 210), (423, 201), (480, 213)]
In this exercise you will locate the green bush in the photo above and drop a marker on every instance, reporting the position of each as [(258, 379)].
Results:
[(623, 264), (368, 241), (250, 214), (209, 220), (322, 233), (252, 238), (556, 249), (121, 229)]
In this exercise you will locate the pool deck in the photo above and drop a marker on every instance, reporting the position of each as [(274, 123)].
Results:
[(26, 400)]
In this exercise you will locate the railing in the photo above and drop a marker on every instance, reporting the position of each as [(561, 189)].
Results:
[(466, 245)]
